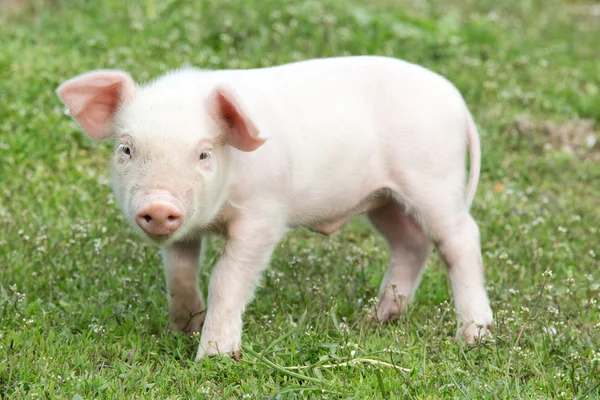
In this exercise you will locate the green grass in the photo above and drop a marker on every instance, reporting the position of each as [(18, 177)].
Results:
[(83, 306)]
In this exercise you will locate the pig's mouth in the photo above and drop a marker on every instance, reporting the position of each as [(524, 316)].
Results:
[(159, 239), (166, 239)]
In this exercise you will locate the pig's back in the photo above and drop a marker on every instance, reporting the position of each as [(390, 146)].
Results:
[(341, 127), (349, 106)]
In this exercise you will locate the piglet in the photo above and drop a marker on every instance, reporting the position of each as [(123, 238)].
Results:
[(251, 154)]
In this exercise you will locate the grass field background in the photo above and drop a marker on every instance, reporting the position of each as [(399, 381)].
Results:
[(83, 310)]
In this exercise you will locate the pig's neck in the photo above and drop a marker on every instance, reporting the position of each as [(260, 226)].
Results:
[(216, 219)]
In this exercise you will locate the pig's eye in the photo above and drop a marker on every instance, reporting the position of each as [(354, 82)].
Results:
[(126, 150), (204, 155)]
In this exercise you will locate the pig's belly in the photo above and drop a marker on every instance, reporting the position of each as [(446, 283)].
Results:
[(327, 221)]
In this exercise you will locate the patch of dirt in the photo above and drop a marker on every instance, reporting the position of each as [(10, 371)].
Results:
[(12, 6), (586, 10), (576, 136)]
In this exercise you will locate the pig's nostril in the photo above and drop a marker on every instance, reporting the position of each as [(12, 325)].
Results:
[(171, 218), (147, 218)]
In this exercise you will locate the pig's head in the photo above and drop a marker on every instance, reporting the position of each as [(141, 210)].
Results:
[(174, 144)]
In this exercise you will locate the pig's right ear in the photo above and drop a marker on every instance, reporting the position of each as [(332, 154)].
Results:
[(92, 99), (242, 132)]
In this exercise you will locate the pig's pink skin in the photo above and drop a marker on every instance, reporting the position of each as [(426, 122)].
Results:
[(91, 99), (254, 153)]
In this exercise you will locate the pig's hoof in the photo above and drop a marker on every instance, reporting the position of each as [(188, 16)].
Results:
[(187, 322), (236, 354), (223, 338), (473, 332), (391, 305)]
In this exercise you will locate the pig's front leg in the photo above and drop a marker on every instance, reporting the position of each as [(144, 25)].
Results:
[(247, 252), (186, 308)]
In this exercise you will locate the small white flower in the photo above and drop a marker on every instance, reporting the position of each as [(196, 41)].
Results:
[(344, 328), (550, 331)]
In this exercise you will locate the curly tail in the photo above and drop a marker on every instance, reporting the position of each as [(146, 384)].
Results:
[(475, 158)]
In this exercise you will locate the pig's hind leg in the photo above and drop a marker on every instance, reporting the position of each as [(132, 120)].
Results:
[(439, 202), (409, 248)]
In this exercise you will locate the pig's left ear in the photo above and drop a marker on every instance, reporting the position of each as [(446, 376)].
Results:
[(92, 99), (225, 106)]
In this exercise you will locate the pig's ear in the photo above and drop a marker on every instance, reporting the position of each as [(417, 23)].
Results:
[(224, 105), (92, 99)]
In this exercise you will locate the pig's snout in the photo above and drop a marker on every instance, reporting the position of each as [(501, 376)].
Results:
[(159, 218)]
